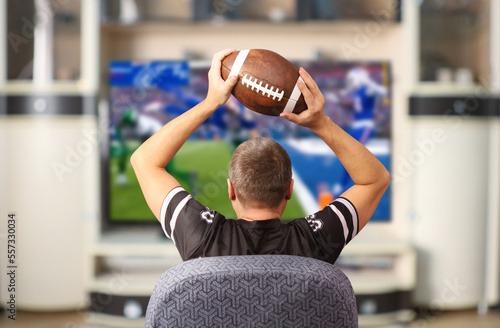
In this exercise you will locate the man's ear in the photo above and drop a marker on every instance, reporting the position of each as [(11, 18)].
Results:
[(289, 191), (230, 190)]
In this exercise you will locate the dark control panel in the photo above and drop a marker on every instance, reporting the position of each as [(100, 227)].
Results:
[(47, 105), (457, 105)]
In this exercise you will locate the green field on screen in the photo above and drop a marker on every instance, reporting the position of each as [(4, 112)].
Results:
[(200, 167)]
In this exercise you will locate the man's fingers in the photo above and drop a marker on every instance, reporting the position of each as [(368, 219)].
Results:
[(308, 96), (292, 117), (217, 61), (307, 78), (230, 82), (225, 52), (312, 94), (309, 81), (218, 57)]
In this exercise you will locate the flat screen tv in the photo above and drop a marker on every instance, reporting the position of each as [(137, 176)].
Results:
[(146, 95)]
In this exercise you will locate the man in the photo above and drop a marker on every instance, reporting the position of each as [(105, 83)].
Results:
[(259, 186)]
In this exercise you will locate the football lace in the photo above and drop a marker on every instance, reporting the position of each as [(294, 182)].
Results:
[(266, 90)]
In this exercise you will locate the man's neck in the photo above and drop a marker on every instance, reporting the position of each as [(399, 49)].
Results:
[(259, 214)]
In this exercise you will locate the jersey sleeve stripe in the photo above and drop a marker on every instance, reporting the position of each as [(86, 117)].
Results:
[(354, 214), (178, 209), (348, 217), (342, 221), (164, 207)]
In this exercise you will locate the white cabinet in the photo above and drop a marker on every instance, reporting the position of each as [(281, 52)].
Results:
[(382, 271), (121, 272), (453, 155)]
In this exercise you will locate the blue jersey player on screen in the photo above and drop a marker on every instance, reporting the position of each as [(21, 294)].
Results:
[(231, 121), (365, 94)]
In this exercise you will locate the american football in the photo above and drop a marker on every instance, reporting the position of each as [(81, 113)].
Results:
[(267, 82)]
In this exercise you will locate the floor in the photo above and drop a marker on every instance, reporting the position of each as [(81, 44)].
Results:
[(459, 319)]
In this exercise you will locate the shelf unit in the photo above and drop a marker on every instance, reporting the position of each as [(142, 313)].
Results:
[(122, 268), (384, 286), (276, 11), (451, 39)]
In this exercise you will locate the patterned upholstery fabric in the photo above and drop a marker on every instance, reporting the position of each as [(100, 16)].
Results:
[(253, 291)]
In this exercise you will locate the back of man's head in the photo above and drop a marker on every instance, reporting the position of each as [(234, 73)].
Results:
[(260, 171)]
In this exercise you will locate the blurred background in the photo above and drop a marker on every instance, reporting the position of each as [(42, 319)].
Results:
[(84, 83)]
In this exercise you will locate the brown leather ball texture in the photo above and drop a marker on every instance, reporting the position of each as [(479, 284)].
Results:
[(266, 81)]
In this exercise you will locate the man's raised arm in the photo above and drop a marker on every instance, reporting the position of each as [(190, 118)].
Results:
[(371, 178), (150, 159)]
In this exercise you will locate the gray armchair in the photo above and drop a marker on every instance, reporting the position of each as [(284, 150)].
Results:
[(253, 291)]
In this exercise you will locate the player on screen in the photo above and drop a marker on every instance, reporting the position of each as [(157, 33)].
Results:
[(134, 125), (260, 184), (231, 121), (138, 126), (365, 95)]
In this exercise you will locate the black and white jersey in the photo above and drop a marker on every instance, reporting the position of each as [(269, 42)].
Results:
[(198, 231)]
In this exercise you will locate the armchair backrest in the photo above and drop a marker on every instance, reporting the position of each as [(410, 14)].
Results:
[(253, 291)]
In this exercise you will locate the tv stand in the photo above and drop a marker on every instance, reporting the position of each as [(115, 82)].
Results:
[(382, 270), (123, 267)]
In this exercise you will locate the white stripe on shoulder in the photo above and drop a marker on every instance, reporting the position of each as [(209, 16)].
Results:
[(176, 214), (351, 209), (165, 204), (238, 62), (342, 220)]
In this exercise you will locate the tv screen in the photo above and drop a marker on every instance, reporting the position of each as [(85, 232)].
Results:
[(146, 95)]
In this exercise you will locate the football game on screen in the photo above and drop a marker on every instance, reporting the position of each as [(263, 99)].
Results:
[(146, 95)]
